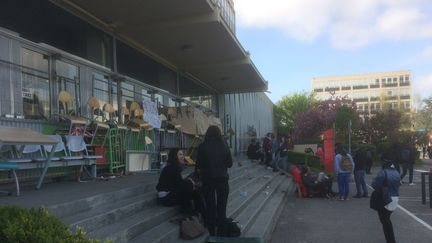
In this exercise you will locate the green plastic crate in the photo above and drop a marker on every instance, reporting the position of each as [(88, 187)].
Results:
[(234, 240)]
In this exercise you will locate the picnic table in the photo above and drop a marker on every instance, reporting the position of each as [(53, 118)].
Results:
[(19, 137)]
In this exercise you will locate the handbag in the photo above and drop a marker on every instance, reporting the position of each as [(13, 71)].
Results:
[(381, 196), (191, 228)]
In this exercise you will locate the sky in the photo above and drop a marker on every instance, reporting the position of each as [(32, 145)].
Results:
[(292, 41)]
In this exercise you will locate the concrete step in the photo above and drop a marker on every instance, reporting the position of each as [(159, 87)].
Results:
[(265, 221), (68, 209), (124, 229), (75, 207), (112, 212), (248, 215), (169, 232)]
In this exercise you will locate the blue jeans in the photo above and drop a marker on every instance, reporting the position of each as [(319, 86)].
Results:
[(343, 184), (359, 177)]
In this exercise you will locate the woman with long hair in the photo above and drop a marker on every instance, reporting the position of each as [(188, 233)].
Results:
[(213, 160), (172, 188)]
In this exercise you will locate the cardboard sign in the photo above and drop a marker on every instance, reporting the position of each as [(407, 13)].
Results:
[(151, 114)]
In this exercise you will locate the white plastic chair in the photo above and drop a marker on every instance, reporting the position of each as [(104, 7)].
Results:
[(76, 144)]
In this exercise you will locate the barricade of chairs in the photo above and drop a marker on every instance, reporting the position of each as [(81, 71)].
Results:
[(72, 153)]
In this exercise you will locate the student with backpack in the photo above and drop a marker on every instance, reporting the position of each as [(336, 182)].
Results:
[(344, 168)]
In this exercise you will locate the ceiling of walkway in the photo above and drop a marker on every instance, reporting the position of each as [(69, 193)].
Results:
[(188, 35)]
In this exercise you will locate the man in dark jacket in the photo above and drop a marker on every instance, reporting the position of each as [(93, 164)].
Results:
[(267, 146), (359, 173), (408, 157)]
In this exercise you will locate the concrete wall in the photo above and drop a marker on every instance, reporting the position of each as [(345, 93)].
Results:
[(244, 111)]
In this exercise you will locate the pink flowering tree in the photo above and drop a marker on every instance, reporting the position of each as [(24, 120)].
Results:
[(322, 115)]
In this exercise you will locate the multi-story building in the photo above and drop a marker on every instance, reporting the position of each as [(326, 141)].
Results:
[(371, 92), (174, 53)]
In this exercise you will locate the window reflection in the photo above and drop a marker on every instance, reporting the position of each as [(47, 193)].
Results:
[(35, 85)]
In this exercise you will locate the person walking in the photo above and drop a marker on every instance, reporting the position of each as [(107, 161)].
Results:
[(389, 177), (344, 167), (213, 160), (359, 174)]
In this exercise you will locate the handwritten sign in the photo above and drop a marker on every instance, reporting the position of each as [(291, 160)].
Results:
[(151, 114)]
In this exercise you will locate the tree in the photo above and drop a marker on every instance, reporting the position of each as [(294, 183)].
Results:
[(288, 108), (321, 116), (423, 120)]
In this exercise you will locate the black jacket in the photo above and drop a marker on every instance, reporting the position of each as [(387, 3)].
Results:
[(360, 161), (170, 179), (214, 159)]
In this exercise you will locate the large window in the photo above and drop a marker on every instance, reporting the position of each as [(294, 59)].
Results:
[(42, 21), (35, 85), (127, 94), (101, 91), (68, 80)]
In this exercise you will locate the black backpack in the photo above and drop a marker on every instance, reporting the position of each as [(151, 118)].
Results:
[(229, 229)]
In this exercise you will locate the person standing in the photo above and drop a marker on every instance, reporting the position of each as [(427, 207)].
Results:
[(213, 160), (359, 173), (344, 167), (408, 158), (267, 147), (388, 176)]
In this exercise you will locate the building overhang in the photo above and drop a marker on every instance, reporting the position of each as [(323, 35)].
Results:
[(188, 35)]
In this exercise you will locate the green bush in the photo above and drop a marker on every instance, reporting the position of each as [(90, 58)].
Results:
[(35, 225), (302, 159)]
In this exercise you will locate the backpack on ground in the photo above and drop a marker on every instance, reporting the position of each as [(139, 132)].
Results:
[(229, 229), (191, 228), (346, 163)]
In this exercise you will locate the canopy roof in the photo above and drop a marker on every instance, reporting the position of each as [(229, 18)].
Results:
[(187, 35)]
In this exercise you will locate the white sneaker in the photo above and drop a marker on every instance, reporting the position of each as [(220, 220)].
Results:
[(412, 184)]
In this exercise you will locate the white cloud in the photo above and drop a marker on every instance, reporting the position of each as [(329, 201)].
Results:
[(423, 85), (347, 23), (427, 53)]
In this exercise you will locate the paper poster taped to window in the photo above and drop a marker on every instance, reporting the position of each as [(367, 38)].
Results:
[(151, 114)]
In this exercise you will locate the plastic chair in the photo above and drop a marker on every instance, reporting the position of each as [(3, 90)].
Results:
[(76, 144)]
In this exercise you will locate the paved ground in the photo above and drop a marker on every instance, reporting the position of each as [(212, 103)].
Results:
[(321, 220)]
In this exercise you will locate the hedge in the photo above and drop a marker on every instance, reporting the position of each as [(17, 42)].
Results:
[(302, 159), (37, 226)]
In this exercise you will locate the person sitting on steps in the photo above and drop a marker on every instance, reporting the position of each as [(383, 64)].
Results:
[(174, 190)]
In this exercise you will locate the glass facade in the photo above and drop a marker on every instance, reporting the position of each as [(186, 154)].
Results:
[(67, 75), (35, 85)]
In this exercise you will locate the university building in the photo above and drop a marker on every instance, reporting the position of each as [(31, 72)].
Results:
[(371, 92), (182, 55)]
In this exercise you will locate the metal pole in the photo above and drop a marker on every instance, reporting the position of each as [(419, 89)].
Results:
[(349, 136)]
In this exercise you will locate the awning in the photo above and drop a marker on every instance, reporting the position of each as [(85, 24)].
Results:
[(189, 35)]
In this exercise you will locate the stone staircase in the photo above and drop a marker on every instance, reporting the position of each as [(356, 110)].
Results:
[(256, 198)]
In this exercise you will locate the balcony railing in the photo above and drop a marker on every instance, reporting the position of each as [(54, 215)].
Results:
[(318, 90), (361, 99), (360, 87), (374, 98), (374, 86), (346, 87), (404, 84), (405, 97), (390, 85), (332, 89), (227, 12)]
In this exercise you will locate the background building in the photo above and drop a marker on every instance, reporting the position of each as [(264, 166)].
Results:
[(371, 92)]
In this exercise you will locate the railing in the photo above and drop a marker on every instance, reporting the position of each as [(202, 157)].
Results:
[(346, 87), (227, 12), (332, 89), (374, 86), (404, 83), (390, 85), (318, 90), (360, 87), (403, 97)]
